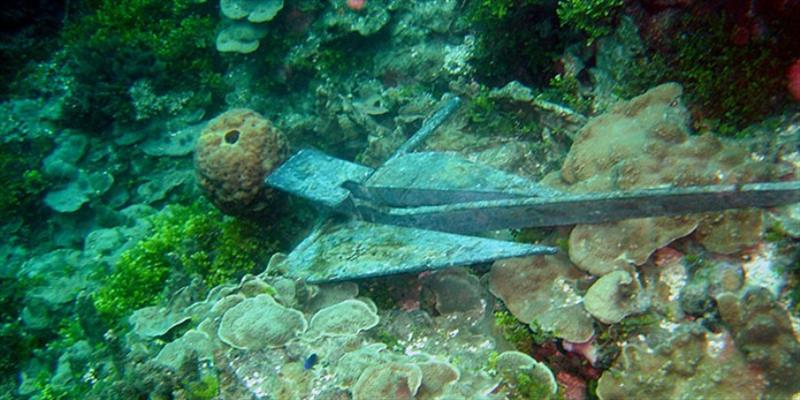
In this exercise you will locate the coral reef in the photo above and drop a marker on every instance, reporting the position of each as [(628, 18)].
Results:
[(113, 45), (233, 155), (240, 37), (345, 318), (255, 333), (395, 380), (515, 40), (24, 181), (614, 296), (243, 30), (254, 11), (530, 378)]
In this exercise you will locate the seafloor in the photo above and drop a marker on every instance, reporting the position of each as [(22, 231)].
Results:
[(144, 257)]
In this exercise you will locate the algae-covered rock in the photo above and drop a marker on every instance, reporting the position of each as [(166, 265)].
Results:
[(542, 291), (762, 331), (511, 364), (260, 322), (687, 363)]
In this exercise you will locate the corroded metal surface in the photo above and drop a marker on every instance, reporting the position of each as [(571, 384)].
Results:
[(434, 178), (318, 177), (569, 209), (356, 249), (397, 215)]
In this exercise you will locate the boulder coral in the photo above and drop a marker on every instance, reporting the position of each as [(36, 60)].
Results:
[(646, 142), (233, 155)]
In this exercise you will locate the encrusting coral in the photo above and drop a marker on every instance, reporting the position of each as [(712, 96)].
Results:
[(542, 291), (233, 155), (645, 143)]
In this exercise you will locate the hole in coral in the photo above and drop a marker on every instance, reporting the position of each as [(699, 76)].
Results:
[(232, 136)]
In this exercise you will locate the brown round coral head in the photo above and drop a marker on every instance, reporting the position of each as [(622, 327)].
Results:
[(233, 155)]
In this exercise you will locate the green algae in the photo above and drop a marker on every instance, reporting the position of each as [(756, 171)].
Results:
[(593, 17), (115, 43), (523, 337), (189, 241)]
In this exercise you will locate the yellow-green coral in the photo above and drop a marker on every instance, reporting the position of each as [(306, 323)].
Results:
[(731, 84)]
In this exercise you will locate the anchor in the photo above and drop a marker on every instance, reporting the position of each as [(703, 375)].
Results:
[(419, 210)]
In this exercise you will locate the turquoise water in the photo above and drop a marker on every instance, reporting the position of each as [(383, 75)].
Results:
[(384, 199)]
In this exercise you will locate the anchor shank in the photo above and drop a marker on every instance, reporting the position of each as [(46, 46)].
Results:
[(569, 209)]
